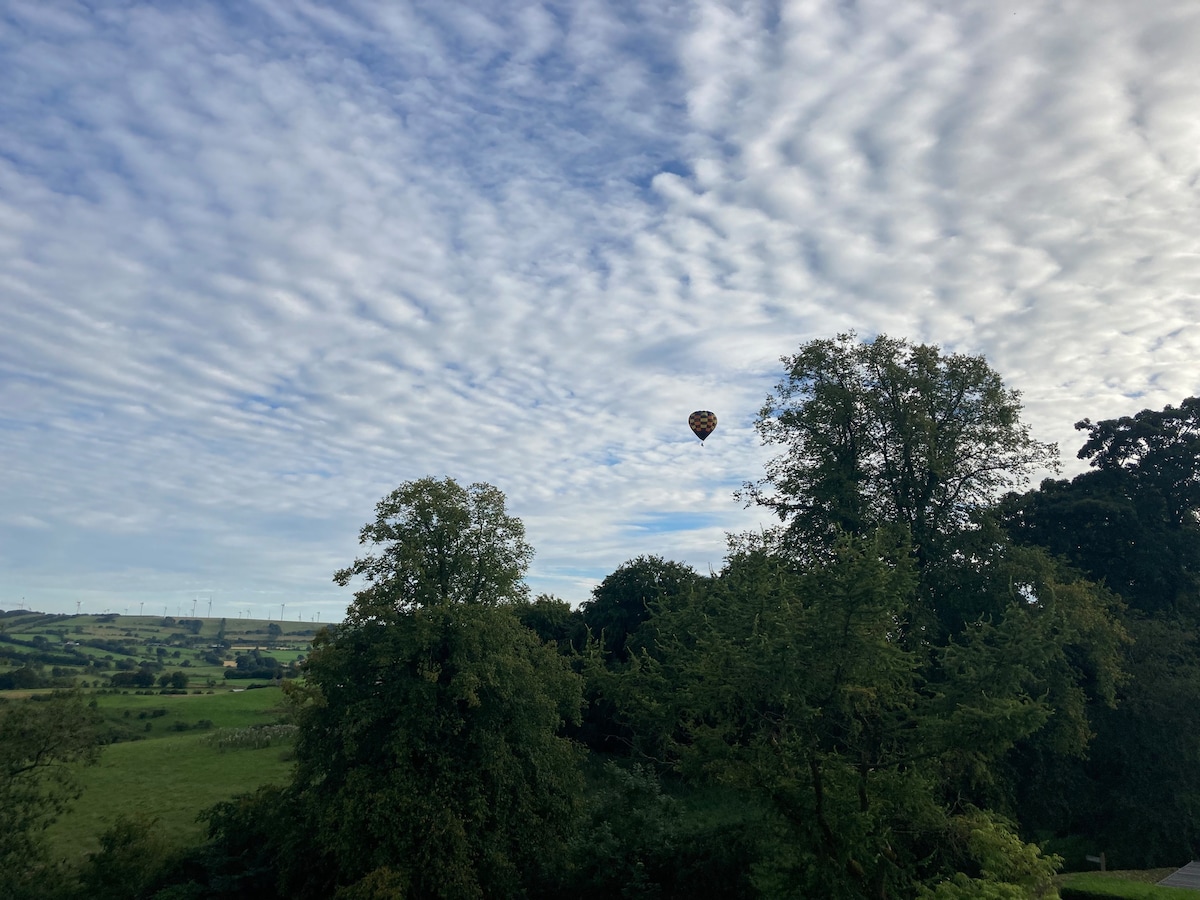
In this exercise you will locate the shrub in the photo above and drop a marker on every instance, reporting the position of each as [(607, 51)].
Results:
[(255, 737)]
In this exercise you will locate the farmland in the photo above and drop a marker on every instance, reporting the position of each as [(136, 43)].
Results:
[(111, 651), (167, 690)]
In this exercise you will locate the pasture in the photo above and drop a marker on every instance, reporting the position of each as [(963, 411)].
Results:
[(165, 687), (171, 769), (39, 651), (1120, 885)]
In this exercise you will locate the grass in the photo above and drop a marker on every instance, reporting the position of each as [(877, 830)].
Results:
[(1127, 885), (229, 709), (172, 776), (128, 641)]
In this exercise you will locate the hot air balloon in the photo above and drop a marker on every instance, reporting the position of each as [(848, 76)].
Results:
[(702, 422)]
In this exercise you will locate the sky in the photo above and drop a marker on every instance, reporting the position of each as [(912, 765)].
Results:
[(263, 261)]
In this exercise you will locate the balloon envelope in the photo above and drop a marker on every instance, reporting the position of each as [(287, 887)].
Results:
[(702, 422)]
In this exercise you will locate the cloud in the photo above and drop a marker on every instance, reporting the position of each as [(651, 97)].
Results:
[(266, 262)]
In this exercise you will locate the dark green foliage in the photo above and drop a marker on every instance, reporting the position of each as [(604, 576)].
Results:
[(619, 620), (629, 845), (40, 742), (430, 744), (177, 680), (142, 678), (792, 687), (1162, 447), (437, 542), (624, 600), (1131, 523), (638, 842), (23, 678), (131, 862), (553, 621), (1143, 770), (886, 433), (252, 842), (1118, 529), (428, 758)]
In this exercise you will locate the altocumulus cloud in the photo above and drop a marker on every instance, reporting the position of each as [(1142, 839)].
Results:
[(262, 262)]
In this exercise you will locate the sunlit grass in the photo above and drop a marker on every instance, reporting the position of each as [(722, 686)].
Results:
[(1129, 885), (174, 775)]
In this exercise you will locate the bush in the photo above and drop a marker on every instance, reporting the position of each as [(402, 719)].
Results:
[(255, 737)]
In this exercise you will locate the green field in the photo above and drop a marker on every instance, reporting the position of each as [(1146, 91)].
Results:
[(160, 762), (39, 651), (1132, 885), (170, 775)]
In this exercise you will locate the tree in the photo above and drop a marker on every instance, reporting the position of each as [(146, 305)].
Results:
[(1139, 794), (429, 749), (139, 679), (431, 745), (627, 598), (1161, 447), (553, 620), (1131, 522), (437, 543), (886, 432), (792, 686), (133, 855), (873, 666), (40, 743)]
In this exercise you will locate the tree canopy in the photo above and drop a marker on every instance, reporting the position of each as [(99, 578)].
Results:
[(1131, 524), (899, 691), (887, 432), (628, 597), (430, 752), (1132, 521), (431, 746), (437, 542)]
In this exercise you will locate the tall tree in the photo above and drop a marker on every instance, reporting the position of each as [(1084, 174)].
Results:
[(792, 687), (430, 751), (437, 542), (909, 448), (627, 598), (887, 432), (1158, 446), (431, 746), (1132, 521)]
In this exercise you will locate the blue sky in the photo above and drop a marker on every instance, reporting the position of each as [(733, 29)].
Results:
[(261, 262)]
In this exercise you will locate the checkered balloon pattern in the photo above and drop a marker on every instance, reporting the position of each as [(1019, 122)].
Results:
[(702, 422)]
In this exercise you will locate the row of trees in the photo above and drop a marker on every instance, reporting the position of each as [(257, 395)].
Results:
[(923, 674)]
